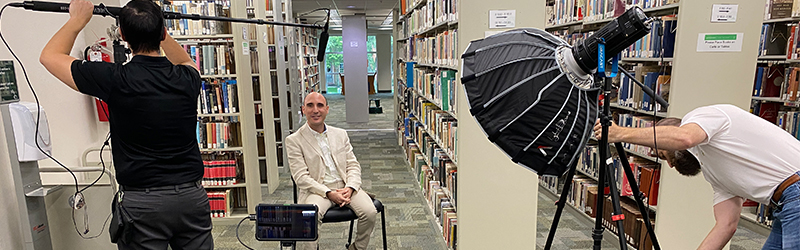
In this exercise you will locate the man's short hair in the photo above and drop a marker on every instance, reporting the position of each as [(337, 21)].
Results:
[(682, 160), (142, 24)]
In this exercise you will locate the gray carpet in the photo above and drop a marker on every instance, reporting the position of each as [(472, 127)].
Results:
[(410, 224)]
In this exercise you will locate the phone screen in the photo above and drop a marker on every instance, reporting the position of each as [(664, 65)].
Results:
[(286, 222)]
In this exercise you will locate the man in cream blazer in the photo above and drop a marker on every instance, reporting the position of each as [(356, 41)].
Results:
[(326, 170)]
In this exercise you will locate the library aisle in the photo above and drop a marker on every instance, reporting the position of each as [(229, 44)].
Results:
[(410, 224)]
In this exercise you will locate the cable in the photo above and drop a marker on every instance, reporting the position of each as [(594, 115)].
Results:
[(36, 141), (237, 232)]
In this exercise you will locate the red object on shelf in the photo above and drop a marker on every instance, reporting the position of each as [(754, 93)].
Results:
[(96, 55)]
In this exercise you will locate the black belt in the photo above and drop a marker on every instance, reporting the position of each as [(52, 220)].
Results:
[(169, 187)]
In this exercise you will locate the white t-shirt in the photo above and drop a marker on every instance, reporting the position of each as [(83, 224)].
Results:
[(744, 155)]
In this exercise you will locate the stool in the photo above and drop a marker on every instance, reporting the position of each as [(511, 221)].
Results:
[(377, 109)]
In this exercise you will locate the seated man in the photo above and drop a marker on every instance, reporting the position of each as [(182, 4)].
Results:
[(326, 170)]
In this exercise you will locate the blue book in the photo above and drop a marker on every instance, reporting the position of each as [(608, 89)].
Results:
[(759, 78), (225, 106)]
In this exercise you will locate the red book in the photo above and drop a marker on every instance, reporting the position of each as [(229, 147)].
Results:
[(772, 87), (769, 111)]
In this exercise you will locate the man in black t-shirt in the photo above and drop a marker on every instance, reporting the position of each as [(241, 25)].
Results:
[(152, 102)]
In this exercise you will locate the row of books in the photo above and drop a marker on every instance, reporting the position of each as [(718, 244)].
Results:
[(442, 127), (566, 11), (441, 195), (654, 44), (218, 135), (440, 49), (779, 39), (220, 202), (633, 223), (220, 173), (583, 196), (212, 59), (777, 81), (178, 27), (218, 96), (307, 36), (647, 173), (763, 215), (222, 168), (435, 157), (253, 34), (257, 86), (636, 121), (776, 9), (438, 85), (255, 66), (629, 94), (790, 121), (268, 3), (433, 13)]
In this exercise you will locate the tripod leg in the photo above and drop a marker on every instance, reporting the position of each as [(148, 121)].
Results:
[(617, 216), (637, 194), (562, 201)]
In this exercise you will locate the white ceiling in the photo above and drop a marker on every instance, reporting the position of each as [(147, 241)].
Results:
[(376, 11)]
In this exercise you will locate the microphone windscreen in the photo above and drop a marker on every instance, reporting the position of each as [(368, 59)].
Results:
[(323, 43)]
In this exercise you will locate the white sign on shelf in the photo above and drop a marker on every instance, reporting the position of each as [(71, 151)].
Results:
[(501, 19), (353, 44), (246, 48), (724, 13), (719, 42), (244, 34)]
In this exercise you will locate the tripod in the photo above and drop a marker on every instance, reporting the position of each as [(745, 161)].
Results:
[(606, 176)]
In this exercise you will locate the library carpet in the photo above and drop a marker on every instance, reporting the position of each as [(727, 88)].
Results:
[(409, 223)]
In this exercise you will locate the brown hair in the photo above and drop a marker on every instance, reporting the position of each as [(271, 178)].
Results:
[(681, 160)]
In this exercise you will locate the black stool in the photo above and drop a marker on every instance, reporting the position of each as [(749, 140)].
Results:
[(377, 109), (342, 214)]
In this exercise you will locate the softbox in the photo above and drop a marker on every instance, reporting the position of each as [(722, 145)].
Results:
[(527, 100)]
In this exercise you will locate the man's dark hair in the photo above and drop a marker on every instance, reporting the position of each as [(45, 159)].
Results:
[(142, 24), (683, 161)]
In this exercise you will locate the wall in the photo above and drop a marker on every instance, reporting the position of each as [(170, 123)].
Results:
[(354, 41), (497, 204), (384, 48), (71, 115)]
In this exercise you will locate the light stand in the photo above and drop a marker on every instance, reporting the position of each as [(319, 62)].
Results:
[(606, 176)]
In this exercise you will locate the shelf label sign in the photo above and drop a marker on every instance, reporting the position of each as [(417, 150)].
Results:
[(719, 42), (8, 83), (724, 13), (246, 48), (501, 19)]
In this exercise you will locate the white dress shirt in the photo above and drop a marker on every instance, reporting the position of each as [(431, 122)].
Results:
[(331, 175)]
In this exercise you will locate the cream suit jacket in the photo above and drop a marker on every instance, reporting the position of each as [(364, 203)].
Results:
[(308, 166)]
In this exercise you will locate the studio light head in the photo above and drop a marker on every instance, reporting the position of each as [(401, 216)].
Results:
[(534, 95)]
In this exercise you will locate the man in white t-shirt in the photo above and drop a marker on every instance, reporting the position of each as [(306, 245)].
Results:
[(741, 155)]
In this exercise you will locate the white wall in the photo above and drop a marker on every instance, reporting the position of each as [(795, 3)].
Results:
[(354, 41), (71, 115), (384, 48)]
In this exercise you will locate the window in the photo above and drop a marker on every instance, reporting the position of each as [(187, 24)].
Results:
[(334, 62)]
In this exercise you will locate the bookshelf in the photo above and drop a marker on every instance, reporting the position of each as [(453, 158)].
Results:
[(425, 69), (225, 111), (774, 90), (690, 87), (265, 81), (308, 66)]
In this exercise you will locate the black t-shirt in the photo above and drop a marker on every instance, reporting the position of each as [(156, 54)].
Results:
[(153, 115)]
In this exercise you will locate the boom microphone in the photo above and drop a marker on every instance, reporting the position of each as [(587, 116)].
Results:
[(323, 40), (64, 7)]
